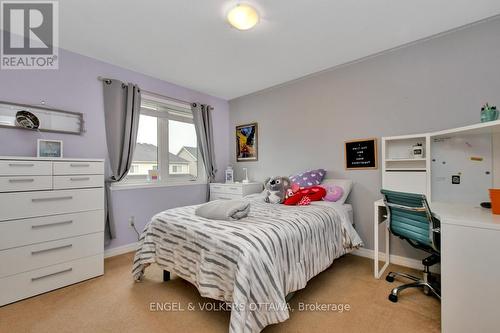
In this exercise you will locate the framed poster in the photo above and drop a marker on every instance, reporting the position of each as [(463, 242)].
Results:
[(246, 142), (361, 154)]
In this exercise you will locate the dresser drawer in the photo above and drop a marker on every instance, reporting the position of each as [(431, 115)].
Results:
[(224, 196), (33, 204), (78, 181), (25, 183), (21, 168), (17, 287), (226, 188), (42, 229), (78, 168), (27, 258)]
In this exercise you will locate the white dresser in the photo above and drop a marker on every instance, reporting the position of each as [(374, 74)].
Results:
[(228, 191), (51, 224)]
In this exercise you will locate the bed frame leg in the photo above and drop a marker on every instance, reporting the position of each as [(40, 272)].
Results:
[(289, 296), (166, 276)]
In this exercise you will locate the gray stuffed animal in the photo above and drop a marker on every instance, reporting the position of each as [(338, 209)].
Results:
[(276, 189)]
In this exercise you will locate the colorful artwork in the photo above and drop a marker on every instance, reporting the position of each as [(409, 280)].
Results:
[(246, 142)]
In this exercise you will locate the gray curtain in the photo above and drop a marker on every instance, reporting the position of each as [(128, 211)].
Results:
[(122, 106), (202, 118)]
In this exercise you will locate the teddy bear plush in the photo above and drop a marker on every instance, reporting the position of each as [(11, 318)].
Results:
[(276, 189)]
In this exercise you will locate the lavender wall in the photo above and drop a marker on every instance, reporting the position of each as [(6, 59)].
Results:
[(74, 87)]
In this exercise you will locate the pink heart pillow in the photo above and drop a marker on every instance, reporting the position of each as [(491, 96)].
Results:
[(333, 193)]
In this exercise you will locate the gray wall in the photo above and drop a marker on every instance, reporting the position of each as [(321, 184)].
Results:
[(435, 84)]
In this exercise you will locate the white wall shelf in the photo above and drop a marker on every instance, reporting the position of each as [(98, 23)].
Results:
[(405, 159), (405, 169), (490, 127)]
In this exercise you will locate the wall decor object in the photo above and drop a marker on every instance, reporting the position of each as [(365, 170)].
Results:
[(417, 151), (246, 180), (49, 148), (229, 175), (27, 120), (489, 113), (361, 154), (247, 142), (40, 118)]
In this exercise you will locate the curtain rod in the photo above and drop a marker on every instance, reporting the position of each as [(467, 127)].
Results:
[(100, 78)]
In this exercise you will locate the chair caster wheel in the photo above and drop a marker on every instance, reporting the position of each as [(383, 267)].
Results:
[(393, 298), (389, 278)]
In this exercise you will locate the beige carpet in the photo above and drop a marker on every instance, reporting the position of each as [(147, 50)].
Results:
[(114, 303)]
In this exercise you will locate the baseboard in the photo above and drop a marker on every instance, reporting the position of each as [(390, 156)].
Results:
[(116, 251), (396, 260)]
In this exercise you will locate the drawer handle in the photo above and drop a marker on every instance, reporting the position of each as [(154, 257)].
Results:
[(233, 188), (224, 198), (52, 249), (21, 164), (79, 165), (69, 197), (50, 224), (51, 274), (79, 178), (21, 180)]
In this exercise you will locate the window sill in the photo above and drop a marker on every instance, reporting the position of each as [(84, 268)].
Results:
[(134, 186)]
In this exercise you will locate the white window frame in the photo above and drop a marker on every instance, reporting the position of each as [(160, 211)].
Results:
[(175, 110)]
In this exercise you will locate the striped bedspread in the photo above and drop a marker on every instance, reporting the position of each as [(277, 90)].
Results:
[(252, 263)]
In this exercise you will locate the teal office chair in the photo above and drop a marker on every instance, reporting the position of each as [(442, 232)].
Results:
[(410, 218)]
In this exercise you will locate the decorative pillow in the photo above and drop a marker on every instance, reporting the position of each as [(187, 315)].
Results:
[(313, 193), (346, 185), (309, 178), (333, 192)]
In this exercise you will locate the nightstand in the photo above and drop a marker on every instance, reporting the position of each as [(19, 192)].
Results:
[(228, 191)]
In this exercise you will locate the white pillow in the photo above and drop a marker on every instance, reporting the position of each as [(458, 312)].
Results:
[(346, 185)]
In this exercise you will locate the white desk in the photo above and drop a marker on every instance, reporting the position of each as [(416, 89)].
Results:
[(470, 268), (470, 265)]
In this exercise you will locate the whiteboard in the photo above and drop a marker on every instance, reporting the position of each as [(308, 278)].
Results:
[(469, 156)]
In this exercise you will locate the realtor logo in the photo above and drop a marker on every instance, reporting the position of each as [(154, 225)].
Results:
[(29, 38)]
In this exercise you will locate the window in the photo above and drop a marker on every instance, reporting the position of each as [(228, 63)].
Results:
[(166, 146)]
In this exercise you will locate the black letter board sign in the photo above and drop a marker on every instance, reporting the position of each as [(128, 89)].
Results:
[(361, 154)]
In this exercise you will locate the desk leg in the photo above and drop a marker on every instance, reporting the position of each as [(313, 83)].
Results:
[(387, 251), (380, 219), (375, 242)]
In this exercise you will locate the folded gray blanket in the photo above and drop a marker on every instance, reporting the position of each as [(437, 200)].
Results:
[(229, 210)]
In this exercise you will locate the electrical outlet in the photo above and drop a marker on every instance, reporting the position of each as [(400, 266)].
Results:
[(131, 221)]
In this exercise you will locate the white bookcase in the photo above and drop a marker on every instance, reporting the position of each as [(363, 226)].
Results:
[(400, 170)]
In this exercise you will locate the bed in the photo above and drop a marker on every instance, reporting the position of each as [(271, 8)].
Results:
[(251, 264)]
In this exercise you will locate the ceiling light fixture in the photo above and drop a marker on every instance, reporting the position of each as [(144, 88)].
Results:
[(243, 17)]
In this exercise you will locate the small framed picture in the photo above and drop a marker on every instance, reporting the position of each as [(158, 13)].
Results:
[(246, 142), (229, 176), (49, 148)]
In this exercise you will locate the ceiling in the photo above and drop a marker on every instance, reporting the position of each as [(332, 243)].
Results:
[(188, 42)]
